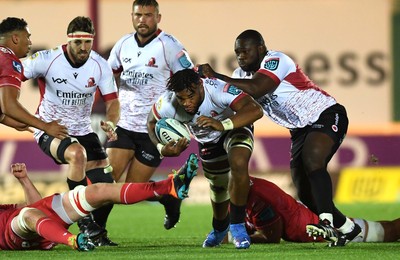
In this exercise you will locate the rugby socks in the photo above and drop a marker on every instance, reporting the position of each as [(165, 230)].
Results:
[(98, 175), (237, 213), (347, 227), (52, 231), (72, 184), (338, 218), (135, 192), (221, 225), (321, 186)]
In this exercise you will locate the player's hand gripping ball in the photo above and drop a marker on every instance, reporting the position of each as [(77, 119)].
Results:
[(168, 129)]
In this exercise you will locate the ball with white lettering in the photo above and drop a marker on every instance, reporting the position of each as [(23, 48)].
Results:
[(168, 129)]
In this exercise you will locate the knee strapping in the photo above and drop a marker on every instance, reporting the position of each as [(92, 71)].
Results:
[(64, 144), (21, 220), (77, 198), (242, 137), (372, 231), (218, 186)]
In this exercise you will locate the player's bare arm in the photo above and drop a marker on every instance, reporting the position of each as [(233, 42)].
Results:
[(31, 193), (112, 117), (8, 121), (247, 112), (257, 86), (11, 107), (117, 77)]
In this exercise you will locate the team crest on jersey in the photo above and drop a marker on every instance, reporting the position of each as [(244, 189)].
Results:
[(213, 113), (183, 60), (17, 66), (152, 63), (91, 83), (271, 64), (232, 90)]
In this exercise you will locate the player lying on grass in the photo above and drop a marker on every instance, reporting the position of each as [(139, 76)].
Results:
[(43, 223), (272, 215)]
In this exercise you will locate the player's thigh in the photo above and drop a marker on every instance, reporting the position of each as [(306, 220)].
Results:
[(119, 160), (139, 172)]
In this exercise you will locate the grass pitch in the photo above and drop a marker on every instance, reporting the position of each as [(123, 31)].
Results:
[(140, 233)]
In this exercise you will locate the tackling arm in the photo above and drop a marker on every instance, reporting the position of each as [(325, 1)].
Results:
[(11, 107), (247, 112), (258, 86), (8, 121)]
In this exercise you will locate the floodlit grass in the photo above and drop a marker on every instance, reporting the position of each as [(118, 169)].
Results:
[(139, 231)]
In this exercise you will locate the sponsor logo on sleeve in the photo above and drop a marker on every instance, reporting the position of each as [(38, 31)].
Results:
[(34, 56), (17, 66), (232, 90), (271, 64), (183, 60)]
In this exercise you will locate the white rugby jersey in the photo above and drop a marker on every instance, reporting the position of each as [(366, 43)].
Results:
[(66, 92), (297, 101), (218, 97), (144, 74)]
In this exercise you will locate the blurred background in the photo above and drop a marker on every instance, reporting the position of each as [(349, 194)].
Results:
[(350, 48)]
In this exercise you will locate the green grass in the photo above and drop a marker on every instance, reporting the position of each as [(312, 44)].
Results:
[(139, 231)]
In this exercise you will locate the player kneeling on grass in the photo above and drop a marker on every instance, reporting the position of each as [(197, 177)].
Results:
[(43, 223), (272, 215)]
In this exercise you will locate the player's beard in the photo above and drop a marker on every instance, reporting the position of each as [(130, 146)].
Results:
[(249, 67), (78, 58), (145, 33)]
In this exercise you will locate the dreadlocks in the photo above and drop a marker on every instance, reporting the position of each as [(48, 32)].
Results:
[(183, 79)]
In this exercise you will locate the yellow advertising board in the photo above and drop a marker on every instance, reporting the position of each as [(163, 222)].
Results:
[(373, 184)]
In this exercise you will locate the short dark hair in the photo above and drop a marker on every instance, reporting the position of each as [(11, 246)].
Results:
[(146, 3), (253, 35), (82, 24), (183, 79), (11, 24)]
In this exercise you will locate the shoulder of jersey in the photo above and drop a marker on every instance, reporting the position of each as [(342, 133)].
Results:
[(168, 38), (95, 55), (127, 36), (120, 42), (214, 83), (5, 50), (45, 54), (277, 54)]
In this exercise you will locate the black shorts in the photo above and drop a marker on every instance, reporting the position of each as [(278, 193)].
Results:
[(333, 121), (91, 142), (145, 151), (210, 152)]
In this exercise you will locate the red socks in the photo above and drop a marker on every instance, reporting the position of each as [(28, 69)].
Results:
[(135, 192), (53, 231)]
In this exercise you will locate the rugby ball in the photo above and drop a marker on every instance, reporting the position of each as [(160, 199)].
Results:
[(168, 129)]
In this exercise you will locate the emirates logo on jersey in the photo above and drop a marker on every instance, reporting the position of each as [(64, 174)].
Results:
[(91, 83), (152, 63)]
